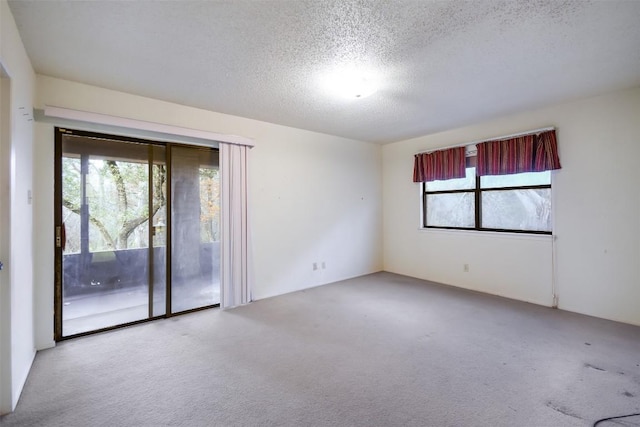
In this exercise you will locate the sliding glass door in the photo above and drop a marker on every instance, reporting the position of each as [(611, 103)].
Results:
[(195, 217), (137, 231)]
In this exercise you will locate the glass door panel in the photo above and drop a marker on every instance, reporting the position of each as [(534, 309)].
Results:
[(105, 233), (195, 236)]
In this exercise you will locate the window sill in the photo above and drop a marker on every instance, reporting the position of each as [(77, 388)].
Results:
[(489, 234)]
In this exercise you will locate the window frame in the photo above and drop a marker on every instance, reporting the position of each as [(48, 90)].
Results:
[(477, 191)]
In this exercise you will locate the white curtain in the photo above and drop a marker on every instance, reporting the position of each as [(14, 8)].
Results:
[(235, 257)]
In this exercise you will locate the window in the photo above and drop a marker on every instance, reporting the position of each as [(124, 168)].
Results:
[(511, 203), (505, 186)]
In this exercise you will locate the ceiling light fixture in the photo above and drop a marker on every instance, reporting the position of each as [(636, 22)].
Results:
[(350, 83)]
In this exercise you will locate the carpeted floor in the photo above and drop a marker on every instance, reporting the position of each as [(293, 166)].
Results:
[(379, 350)]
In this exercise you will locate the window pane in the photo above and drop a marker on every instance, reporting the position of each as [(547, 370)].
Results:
[(125, 182), (516, 180), (195, 271), (465, 183), (517, 209), (105, 194), (451, 210)]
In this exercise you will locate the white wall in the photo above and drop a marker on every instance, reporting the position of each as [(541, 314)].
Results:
[(16, 333), (44, 232), (596, 221), (314, 197), (5, 240)]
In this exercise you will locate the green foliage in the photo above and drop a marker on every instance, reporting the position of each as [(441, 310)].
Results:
[(117, 193), (118, 225), (209, 205)]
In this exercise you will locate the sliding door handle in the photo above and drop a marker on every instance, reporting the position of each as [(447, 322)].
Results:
[(61, 236)]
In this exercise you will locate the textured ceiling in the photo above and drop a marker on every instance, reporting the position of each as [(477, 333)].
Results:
[(440, 64)]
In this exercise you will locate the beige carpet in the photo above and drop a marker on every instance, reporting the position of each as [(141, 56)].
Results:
[(379, 350)]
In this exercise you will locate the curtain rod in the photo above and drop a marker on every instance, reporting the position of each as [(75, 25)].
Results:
[(497, 138)]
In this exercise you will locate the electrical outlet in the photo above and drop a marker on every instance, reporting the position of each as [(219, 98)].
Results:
[(465, 268), (323, 265), (315, 266)]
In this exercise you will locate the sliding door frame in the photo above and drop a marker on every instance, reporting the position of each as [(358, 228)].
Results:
[(59, 229)]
